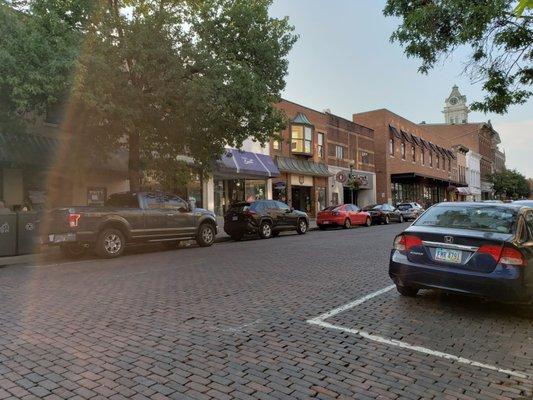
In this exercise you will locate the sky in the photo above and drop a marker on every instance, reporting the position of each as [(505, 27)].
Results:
[(344, 61)]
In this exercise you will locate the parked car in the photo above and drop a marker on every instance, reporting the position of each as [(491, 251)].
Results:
[(477, 248), (410, 210), (266, 218), (344, 215), (127, 218), (384, 213), (524, 202)]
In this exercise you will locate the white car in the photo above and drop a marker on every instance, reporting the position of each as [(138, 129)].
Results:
[(410, 210)]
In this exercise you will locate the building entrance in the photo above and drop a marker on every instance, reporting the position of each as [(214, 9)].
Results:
[(301, 198)]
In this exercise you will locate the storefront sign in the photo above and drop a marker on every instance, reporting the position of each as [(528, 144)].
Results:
[(363, 181), (96, 196), (301, 179), (280, 185), (341, 177)]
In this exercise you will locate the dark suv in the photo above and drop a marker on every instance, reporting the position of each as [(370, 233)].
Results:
[(264, 217)]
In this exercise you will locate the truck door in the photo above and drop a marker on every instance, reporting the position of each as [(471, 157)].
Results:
[(155, 218), (180, 219)]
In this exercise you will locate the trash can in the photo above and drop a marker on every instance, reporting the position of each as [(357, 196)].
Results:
[(27, 232), (8, 234)]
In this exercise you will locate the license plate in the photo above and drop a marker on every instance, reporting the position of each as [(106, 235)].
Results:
[(325, 222), (235, 218), (447, 255)]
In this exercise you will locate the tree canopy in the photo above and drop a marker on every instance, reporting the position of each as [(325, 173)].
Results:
[(498, 32), (510, 184), (162, 77)]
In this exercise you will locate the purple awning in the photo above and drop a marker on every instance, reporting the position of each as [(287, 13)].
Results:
[(246, 163)]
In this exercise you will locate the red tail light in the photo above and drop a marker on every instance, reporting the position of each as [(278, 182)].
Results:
[(406, 242), (503, 255), (73, 220)]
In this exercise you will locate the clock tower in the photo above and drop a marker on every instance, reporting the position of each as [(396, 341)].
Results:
[(455, 108)]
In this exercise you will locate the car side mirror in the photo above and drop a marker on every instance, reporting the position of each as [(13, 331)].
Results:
[(183, 209)]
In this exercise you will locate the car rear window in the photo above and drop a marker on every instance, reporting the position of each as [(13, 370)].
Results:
[(404, 207), (332, 208), (482, 218), (240, 207)]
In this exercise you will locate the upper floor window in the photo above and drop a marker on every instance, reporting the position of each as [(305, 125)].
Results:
[(430, 159), (366, 157), (449, 164), (438, 161), (402, 150), (413, 152), (423, 156), (339, 152), (276, 145), (391, 145), (320, 147), (301, 139)]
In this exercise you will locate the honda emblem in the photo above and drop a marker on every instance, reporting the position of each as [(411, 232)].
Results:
[(448, 239)]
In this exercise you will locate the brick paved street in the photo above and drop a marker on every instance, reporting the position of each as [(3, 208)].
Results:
[(230, 322)]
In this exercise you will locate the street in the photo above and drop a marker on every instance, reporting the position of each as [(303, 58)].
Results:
[(235, 320)]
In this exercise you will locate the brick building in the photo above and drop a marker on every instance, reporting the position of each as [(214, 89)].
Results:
[(313, 148), (411, 164), (479, 137)]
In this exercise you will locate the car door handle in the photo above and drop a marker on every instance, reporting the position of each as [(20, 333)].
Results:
[(170, 214)]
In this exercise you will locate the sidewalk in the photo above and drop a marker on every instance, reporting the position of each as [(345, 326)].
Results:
[(52, 254)]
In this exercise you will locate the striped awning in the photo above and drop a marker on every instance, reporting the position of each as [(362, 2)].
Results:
[(27, 149), (302, 167)]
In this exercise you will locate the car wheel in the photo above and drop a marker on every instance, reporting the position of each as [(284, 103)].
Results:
[(206, 235), (401, 219), (368, 221), (347, 224), (73, 250), (386, 220), (265, 230), (302, 226), (110, 243), (408, 291)]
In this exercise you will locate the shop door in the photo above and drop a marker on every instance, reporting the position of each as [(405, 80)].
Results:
[(301, 198)]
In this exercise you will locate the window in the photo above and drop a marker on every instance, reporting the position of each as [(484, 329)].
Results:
[(174, 203), (301, 139), (413, 152), (438, 161), (423, 155), (430, 159), (275, 144), (320, 145), (122, 200), (391, 146), (449, 164), (365, 157), (282, 206), (402, 150), (339, 152)]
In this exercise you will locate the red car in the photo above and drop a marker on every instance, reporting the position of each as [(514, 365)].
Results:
[(344, 215)]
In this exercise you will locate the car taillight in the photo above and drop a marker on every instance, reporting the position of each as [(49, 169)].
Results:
[(503, 255), (512, 256), (406, 242), (73, 220)]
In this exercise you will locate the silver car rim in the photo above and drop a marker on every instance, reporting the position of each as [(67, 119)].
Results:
[(112, 244), (207, 234), (303, 226), (368, 222), (267, 231), (347, 224)]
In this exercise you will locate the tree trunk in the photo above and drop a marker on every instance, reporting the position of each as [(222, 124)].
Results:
[(134, 164)]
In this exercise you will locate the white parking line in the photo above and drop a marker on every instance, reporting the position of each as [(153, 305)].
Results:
[(320, 321)]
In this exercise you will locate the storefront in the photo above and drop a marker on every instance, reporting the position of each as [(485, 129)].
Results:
[(240, 176), (341, 192), (424, 190), (302, 184)]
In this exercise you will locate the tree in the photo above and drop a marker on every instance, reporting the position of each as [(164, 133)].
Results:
[(161, 78), (509, 184), (501, 41)]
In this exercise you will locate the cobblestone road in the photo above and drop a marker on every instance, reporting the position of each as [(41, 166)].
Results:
[(230, 322)]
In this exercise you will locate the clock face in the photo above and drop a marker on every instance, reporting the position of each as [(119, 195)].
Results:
[(453, 101)]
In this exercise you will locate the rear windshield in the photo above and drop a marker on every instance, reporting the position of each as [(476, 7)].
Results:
[(332, 208), (482, 218), (239, 207), (373, 207), (403, 207)]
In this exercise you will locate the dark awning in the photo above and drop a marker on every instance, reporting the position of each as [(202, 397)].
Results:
[(395, 132), (247, 164), (415, 176), (27, 149), (302, 167)]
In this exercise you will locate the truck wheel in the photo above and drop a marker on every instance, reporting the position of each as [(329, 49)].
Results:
[(110, 243), (73, 250), (206, 235)]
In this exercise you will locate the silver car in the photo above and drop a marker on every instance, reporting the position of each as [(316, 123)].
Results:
[(410, 210)]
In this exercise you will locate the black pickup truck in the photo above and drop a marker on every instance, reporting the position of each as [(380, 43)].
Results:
[(127, 218)]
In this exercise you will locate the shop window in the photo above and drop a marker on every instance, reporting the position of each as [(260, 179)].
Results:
[(413, 152), (301, 139), (320, 147), (402, 149), (339, 152)]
